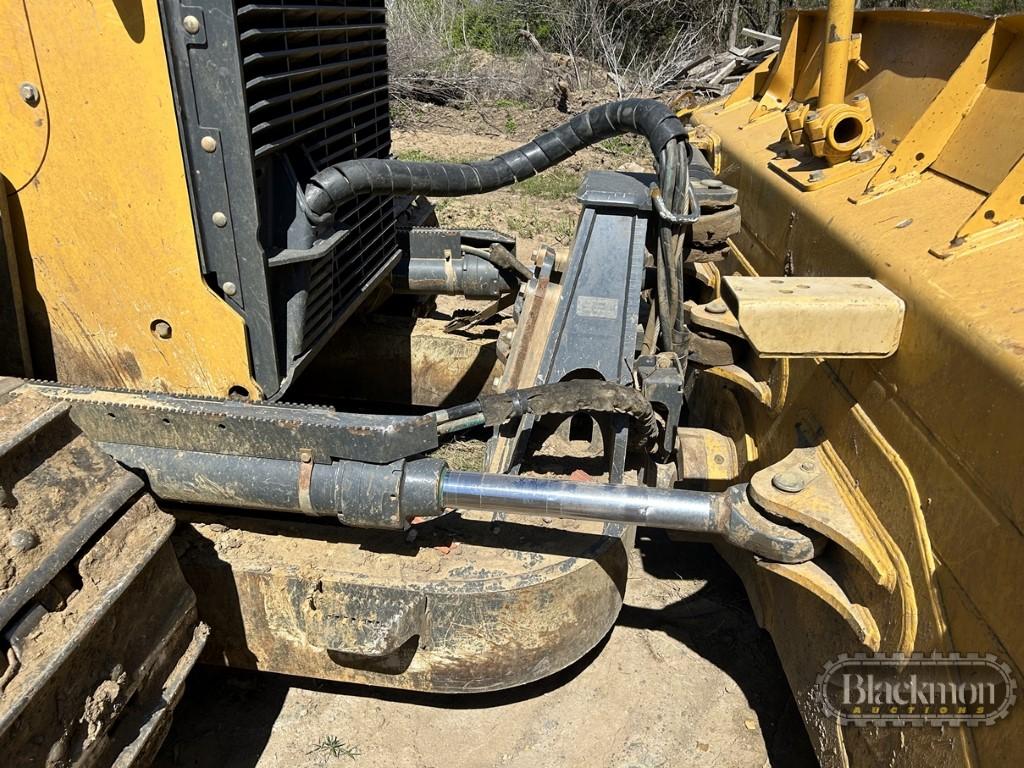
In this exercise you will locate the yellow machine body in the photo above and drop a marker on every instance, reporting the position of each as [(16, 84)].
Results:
[(100, 215), (926, 446)]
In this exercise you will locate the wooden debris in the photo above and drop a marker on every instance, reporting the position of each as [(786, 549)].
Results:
[(716, 74)]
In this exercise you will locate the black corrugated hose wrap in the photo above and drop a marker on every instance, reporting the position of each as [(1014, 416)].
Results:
[(647, 117)]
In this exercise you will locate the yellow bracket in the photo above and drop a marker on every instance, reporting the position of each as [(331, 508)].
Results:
[(929, 135), (782, 80), (998, 219)]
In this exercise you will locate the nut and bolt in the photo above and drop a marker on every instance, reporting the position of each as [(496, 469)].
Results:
[(208, 143), (162, 329), (29, 94), (230, 289), (22, 540), (191, 24), (789, 482), (716, 307), (219, 218)]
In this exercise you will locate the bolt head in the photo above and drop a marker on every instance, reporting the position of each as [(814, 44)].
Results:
[(162, 329), (208, 143), (230, 289), (219, 218), (788, 482), (816, 176), (807, 466), (191, 24), (306, 456), (29, 94), (22, 540), (812, 115), (713, 183), (716, 307)]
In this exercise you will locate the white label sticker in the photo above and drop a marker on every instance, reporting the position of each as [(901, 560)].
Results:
[(595, 306)]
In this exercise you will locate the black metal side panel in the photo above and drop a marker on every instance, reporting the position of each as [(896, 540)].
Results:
[(207, 77), (269, 93)]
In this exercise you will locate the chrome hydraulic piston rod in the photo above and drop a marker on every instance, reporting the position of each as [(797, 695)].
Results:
[(694, 511), (729, 515)]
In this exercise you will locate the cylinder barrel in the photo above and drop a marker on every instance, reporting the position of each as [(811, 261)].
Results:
[(836, 52)]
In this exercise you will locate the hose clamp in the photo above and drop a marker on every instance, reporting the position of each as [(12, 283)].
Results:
[(693, 206)]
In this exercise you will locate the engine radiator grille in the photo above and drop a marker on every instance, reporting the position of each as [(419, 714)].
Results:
[(316, 91)]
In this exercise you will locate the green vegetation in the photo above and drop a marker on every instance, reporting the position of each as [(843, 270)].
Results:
[(553, 184), (331, 748)]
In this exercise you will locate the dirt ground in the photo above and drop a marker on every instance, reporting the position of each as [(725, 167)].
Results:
[(685, 678)]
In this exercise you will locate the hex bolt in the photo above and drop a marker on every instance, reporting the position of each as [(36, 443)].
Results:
[(859, 97), (162, 329), (29, 94), (788, 482), (816, 176), (807, 466), (713, 183), (716, 307), (22, 540), (230, 289), (812, 116), (191, 24), (219, 218), (208, 143)]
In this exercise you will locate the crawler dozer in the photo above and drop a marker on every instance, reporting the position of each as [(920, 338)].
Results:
[(799, 339)]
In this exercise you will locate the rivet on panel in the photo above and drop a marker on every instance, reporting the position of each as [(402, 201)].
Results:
[(219, 218), (191, 24), (208, 143), (29, 94)]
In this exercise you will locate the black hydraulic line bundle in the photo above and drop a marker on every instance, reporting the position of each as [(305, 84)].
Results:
[(652, 119)]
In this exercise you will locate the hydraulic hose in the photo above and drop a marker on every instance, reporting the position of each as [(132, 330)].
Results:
[(560, 398), (647, 117)]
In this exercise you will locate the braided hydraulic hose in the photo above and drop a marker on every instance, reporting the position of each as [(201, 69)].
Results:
[(664, 132)]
